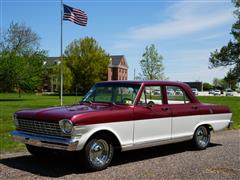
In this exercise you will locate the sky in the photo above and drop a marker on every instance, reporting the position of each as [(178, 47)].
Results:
[(184, 32)]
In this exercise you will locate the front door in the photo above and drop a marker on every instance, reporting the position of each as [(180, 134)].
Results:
[(152, 117)]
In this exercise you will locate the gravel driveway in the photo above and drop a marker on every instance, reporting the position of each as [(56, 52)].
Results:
[(177, 161)]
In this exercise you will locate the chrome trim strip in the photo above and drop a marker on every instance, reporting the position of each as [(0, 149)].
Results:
[(147, 144), (45, 141)]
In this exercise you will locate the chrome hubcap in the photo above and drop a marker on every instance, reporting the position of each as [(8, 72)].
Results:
[(99, 152), (202, 136)]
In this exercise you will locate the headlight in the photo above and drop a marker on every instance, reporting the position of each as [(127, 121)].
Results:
[(66, 126), (15, 120)]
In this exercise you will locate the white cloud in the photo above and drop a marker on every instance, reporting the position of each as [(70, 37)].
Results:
[(178, 27), (210, 37), (189, 55), (180, 19)]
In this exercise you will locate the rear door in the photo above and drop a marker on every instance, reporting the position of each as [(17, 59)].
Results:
[(185, 114)]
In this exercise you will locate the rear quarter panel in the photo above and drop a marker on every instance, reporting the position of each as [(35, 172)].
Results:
[(218, 118)]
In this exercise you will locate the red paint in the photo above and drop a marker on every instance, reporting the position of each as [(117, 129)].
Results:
[(95, 113)]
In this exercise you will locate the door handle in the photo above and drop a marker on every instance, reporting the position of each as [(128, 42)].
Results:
[(194, 107)]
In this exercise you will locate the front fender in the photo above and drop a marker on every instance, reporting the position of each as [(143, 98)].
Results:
[(123, 131)]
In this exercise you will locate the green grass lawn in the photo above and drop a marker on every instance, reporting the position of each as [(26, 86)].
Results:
[(9, 103)]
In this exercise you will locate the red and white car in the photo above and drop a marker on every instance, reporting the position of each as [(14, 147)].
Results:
[(121, 114)]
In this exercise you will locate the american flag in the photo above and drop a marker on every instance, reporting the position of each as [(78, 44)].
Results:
[(75, 15)]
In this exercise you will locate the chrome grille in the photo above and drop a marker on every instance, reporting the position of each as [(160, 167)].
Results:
[(40, 127)]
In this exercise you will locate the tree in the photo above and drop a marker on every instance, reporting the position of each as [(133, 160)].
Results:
[(87, 61), (207, 86), (21, 62), (229, 55), (151, 64), (20, 39), (220, 84), (21, 72), (230, 80), (216, 83)]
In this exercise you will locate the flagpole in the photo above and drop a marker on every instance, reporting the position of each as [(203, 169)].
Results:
[(61, 59)]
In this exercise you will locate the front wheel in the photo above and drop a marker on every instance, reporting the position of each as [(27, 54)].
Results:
[(201, 138), (98, 153)]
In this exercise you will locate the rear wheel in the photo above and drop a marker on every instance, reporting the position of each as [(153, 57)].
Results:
[(98, 153), (201, 138)]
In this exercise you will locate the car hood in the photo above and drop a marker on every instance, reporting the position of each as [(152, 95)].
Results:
[(54, 114)]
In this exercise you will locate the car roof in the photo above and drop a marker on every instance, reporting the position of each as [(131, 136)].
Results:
[(155, 82), (146, 82)]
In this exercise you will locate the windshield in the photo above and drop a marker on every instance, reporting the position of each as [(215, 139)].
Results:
[(112, 93)]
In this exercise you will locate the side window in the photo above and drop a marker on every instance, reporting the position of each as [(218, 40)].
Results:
[(176, 95), (125, 95), (151, 95)]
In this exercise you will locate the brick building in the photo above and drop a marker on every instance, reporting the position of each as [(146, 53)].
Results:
[(118, 68)]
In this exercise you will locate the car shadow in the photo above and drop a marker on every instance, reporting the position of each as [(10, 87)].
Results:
[(153, 152), (68, 164)]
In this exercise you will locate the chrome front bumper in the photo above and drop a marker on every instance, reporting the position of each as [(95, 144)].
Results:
[(45, 141)]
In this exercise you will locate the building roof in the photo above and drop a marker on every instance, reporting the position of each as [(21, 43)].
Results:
[(118, 61)]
